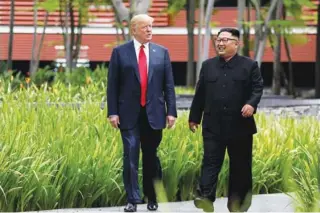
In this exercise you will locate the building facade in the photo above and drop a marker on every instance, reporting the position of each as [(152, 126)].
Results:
[(99, 36)]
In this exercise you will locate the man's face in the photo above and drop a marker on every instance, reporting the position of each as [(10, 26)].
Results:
[(143, 31), (226, 44)]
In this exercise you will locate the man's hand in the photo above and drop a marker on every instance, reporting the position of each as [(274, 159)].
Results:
[(247, 111), (114, 120), (193, 126), (170, 121)]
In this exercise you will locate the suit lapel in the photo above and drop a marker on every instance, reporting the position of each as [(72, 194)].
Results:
[(133, 58), (152, 53)]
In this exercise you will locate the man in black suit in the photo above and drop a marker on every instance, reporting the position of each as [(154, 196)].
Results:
[(141, 100), (227, 95)]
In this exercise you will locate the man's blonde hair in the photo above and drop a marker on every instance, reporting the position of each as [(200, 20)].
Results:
[(138, 18)]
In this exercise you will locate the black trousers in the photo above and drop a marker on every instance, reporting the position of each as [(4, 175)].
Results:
[(149, 140), (240, 169)]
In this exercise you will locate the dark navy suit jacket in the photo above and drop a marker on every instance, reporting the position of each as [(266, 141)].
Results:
[(123, 90)]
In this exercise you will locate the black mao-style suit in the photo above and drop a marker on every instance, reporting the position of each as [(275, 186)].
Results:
[(222, 90)]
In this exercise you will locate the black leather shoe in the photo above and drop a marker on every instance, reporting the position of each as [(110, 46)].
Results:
[(130, 207), (152, 206), (204, 203)]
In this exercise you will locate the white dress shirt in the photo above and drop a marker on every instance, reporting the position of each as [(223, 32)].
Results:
[(137, 46)]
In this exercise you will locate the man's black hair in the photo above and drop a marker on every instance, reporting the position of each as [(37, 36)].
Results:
[(233, 31)]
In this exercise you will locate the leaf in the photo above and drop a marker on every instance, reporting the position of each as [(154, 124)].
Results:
[(112, 44), (175, 7), (297, 39), (214, 23), (251, 44), (40, 23), (286, 24), (54, 42), (50, 5), (252, 23)]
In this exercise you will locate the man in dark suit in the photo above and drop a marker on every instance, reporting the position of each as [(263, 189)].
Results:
[(141, 100), (227, 95)]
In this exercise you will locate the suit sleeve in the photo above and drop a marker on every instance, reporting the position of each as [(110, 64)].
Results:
[(113, 85), (257, 86), (198, 101), (169, 92)]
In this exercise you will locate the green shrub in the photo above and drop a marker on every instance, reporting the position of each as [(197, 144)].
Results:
[(64, 157)]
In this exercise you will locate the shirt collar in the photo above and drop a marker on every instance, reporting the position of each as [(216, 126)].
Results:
[(231, 63), (137, 44)]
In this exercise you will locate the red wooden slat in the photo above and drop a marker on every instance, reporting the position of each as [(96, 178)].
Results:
[(307, 11), (176, 45), (24, 13)]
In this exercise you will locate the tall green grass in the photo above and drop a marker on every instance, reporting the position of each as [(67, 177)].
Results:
[(82, 84), (62, 157)]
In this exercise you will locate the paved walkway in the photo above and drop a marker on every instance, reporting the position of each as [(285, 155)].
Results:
[(260, 203), (184, 101)]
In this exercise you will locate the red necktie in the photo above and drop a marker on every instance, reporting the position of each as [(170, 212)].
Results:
[(143, 75)]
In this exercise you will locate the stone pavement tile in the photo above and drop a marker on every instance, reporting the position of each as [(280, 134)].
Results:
[(272, 203), (260, 203)]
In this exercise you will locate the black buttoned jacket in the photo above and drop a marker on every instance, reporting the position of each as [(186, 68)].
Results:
[(222, 90)]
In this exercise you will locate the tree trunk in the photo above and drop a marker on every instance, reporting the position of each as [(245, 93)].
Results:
[(131, 14), (276, 80), (246, 32), (241, 10), (291, 89), (258, 26), (200, 24), (122, 11), (68, 40), (72, 35), (142, 6), (77, 46), (36, 65), (119, 27), (78, 38), (62, 21), (262, 41), (285, 78), (10, 45), (317, 74), (125, 14), (191, 6), (206, 42), (34, 41)]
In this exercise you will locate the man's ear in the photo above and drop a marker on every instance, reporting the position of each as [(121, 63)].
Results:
[(238, 43)]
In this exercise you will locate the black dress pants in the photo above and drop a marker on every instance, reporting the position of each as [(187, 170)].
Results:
[(240, 169)]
